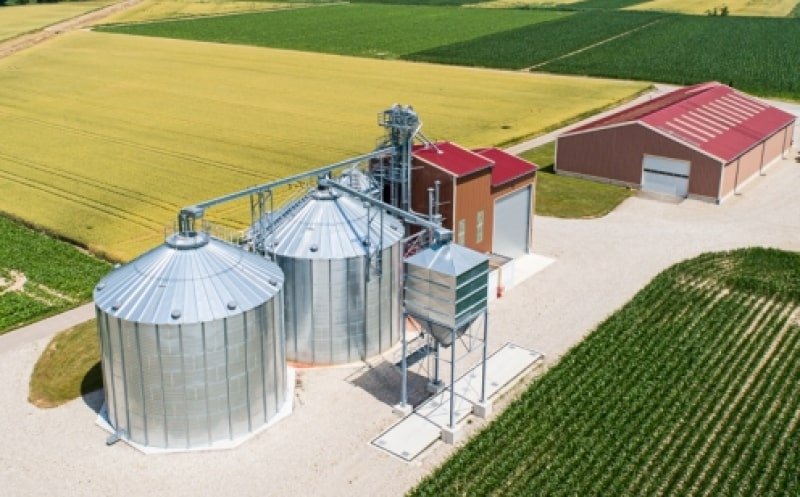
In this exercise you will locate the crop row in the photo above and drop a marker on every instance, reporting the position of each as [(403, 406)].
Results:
[(690, 389), (535, 44), (382, 31), (758, 55)]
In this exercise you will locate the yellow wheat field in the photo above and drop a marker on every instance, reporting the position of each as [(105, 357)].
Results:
[(776, 8), (19, 19), (105, 136), (150, 10)]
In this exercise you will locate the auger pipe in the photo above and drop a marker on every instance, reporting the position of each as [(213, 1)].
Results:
[(196, 211), (440, 235)]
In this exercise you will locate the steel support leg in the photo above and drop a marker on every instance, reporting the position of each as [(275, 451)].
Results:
[(404, 381), (485, 351), (453, 380), (436, 362)]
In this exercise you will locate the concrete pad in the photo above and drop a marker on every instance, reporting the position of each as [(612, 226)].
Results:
[(402, 410), (452, 436), (409, 437), (515, 272), (482, 409)]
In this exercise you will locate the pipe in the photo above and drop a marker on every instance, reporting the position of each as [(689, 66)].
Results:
[(409, 145), (437, 218), (198, 210), (440, 235), (430, 209), (436, 185)]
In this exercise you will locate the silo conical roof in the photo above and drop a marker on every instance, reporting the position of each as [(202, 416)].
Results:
[(328, 225), (189, 279)]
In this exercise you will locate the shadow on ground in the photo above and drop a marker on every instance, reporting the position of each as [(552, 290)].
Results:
[(92, 388), (383, 381)]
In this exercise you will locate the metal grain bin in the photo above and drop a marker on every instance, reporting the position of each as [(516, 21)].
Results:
[(446, 288), (192, 344), (342, 301)]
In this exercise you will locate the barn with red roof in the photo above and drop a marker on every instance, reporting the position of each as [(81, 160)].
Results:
[(703, 141), (486, 195)]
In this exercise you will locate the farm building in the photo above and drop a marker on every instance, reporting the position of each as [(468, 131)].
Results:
[(487, 195), (703, 141)]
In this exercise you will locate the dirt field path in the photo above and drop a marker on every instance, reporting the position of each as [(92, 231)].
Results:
[(14, 45)]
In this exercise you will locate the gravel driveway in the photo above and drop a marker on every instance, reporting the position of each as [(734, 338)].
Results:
[(323, 447)]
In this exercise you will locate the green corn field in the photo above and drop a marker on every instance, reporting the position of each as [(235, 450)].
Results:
[(690, 389)]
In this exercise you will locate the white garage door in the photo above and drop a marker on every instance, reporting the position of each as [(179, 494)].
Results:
[(512, 223), (667, 176)]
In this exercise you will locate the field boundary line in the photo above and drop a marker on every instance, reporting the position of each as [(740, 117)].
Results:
[(46, 327), (597, 44), (191, 17), (34, 37)]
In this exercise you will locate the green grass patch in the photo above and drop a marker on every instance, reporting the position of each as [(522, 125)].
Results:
[(757, 55), (382, 31), (689, 389), (68, 368), (537, 43), (566, 197), (40, 276)]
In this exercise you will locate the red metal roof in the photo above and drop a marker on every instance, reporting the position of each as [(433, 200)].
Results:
[(507, 167), (454, 159), (712, 117)]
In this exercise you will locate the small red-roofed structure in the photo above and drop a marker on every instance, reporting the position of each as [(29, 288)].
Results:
[(486, 195), (703, 141)]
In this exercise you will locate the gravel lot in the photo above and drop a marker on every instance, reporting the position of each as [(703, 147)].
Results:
[(323, 447)]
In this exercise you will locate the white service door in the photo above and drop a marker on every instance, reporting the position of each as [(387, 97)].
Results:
[(666, 176), (512, 223)]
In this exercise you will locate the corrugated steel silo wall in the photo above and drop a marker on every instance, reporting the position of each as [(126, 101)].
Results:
[(191, 385), (333, 315)]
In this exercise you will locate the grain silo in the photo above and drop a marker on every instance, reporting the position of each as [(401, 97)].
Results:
[(192, 344), (342, 265)]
